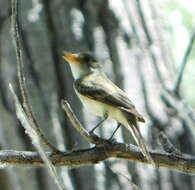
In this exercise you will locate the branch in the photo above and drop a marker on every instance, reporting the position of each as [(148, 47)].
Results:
[(25, 113), (36, 140), (105, 149), (183, 64), (167, 145), (77, 125), (108, 149), (183, 162), (21, 76), (184, 110)]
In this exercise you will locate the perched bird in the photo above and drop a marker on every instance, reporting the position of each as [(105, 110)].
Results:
[(102, 97)]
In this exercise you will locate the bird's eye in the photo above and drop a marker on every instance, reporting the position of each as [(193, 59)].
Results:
[(87, 59)]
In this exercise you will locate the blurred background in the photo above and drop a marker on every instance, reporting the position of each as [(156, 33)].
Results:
[(141, 45)]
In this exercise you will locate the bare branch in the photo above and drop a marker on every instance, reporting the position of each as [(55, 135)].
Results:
[(105, 149), (183, 110), (24, 113), (21, 77), (57, 128), (167, 145), (22, 116), (117, 174), (77, 125), (184, 163), (58, 133), (183, 64)]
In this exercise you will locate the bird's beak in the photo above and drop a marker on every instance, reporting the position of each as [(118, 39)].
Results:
[(70, 57)]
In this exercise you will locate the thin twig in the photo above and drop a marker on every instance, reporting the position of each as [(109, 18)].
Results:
[(57, 128), (183, 64), (76, 123), (111, 149), (58, 133), (167, 145), (21, 77), (22, 116), (117, 174), (24, 113), (184, 111)]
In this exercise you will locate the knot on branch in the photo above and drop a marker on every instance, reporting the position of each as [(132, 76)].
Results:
[(167, 145)]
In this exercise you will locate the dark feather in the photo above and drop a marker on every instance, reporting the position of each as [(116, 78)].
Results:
[(104, 90)]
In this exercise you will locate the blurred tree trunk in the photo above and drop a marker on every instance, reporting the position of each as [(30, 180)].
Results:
[(125, 33)]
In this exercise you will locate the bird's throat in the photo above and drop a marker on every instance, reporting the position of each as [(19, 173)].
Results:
[(77, 71)]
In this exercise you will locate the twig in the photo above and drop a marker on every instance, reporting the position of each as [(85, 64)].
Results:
[(22, 116), (24, 113), (183, 64), (57, 128), (177, 160), (116, 174), (183, 110), (167, 145), (21, 77), (77, 125), (58, 133), (108, 149)]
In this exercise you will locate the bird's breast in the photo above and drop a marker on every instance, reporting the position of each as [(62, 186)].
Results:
[(100, 109), (93, 106)]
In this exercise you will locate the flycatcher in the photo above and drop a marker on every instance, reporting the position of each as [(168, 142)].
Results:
[(102, 97)]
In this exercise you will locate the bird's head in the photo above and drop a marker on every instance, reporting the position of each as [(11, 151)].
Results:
[(81, 63)]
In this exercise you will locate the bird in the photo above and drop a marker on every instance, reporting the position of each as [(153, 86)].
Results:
[(102, 97)]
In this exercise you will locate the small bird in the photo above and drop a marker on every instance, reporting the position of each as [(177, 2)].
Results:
[(102, 97)]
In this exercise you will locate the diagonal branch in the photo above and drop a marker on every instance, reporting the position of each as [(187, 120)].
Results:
[(167, 145), (108, 149), (21, 76), (22, 116), (24, 113), (184, 111), (77, 125), (105, 149), (183, 64)]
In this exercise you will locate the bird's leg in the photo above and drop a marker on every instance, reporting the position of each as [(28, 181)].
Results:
[(118, 125), (105, 117)]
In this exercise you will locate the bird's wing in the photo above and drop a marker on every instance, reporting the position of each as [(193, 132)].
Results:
[(104, 90)]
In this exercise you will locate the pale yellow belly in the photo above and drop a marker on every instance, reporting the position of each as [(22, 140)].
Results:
[(101, 109), (95, 107)]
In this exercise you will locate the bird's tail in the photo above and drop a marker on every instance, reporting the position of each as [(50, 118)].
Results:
[(140, 141)]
